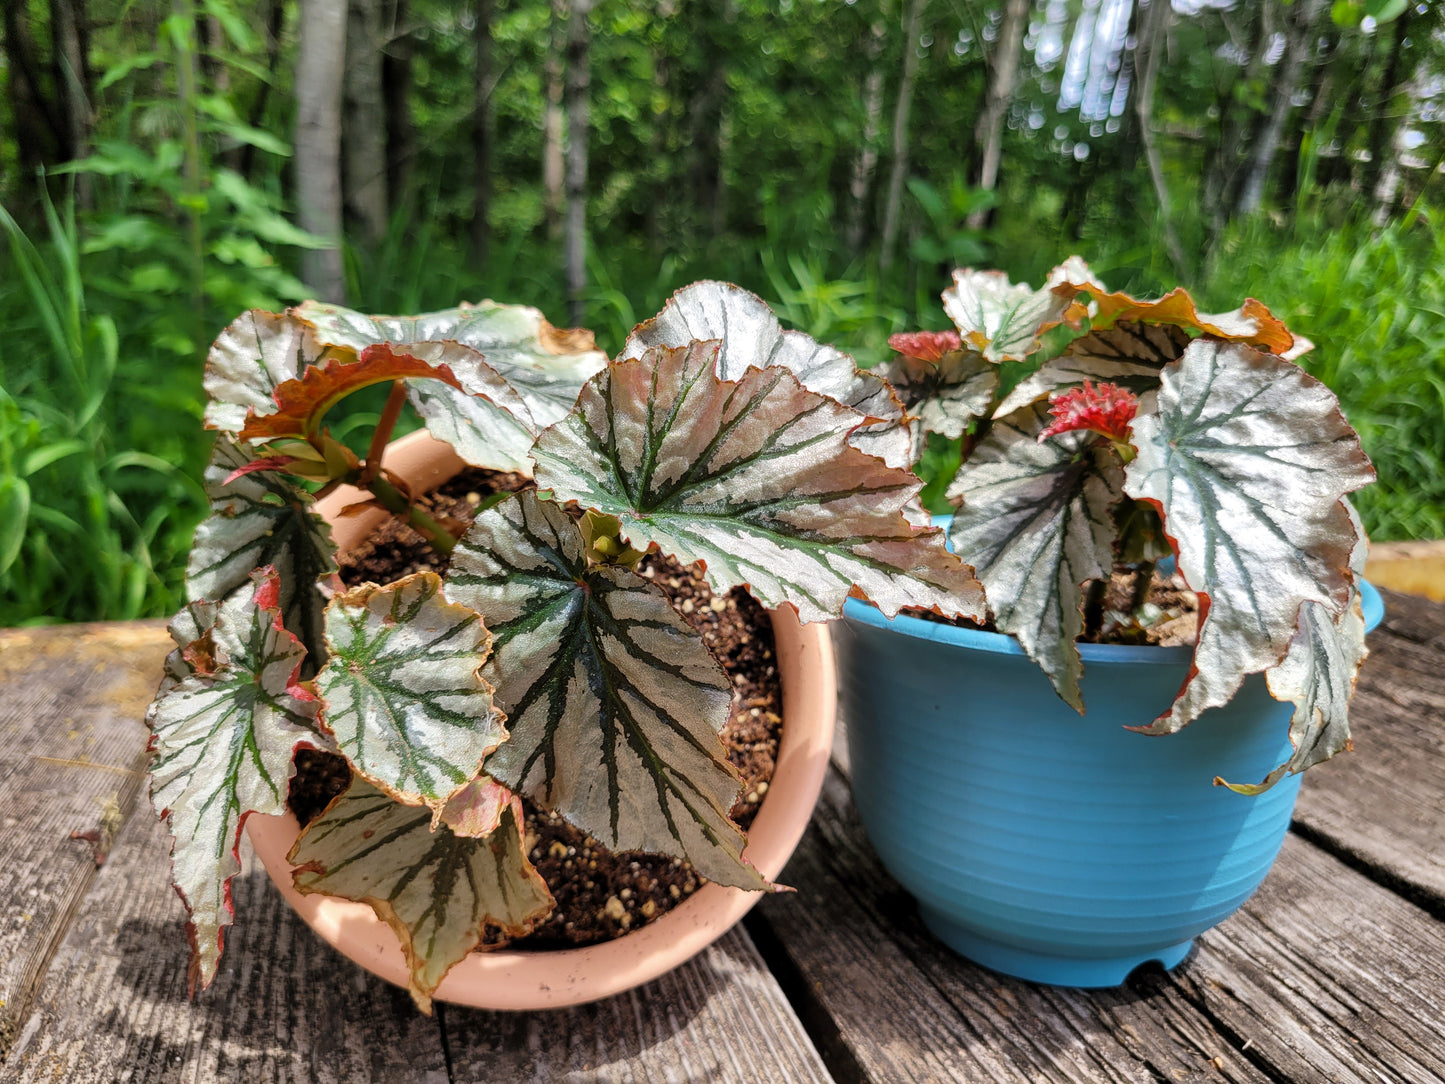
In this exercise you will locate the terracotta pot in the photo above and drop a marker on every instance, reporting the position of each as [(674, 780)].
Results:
[(515, 979)]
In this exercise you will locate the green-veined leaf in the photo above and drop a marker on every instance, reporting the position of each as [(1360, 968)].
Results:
[(1036, 522), (943, 396), (223, 744), (546, 365), (402, 692), (756, 478), (1318, 676), (1247, 458), (438, 891), (614, 702), (485, 420), (1003, 320), (751, 335), (258, 351), (261, 519), (1128, 354)]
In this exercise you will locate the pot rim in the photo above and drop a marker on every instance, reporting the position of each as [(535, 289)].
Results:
[(518, 979)]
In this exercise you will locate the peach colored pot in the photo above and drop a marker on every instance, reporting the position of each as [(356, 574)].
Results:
[(512, 979)]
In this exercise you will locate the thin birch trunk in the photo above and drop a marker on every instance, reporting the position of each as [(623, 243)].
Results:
[(1298, 41), (866, 164), (364, 121), (989, 132), (1153, 32), (482, 115), (892, 210), (319, 63), (552, 168), (579, 78)]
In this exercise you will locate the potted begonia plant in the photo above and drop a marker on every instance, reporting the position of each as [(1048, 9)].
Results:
[(1128, 468), (540, 663)]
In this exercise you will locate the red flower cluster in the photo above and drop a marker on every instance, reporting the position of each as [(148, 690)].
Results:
[(1107, 409), (925, 345)]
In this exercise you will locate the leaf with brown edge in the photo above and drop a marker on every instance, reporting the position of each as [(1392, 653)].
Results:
[(1003, 320), (1036, 521), (757, 478), (402, 689), (255, 353), (545, 365), (439, 892), (1247, 459), (752, 336), (614, 702), (223, 743), (1318, 675), (1251, 324), (1129, 355), (301, 403)]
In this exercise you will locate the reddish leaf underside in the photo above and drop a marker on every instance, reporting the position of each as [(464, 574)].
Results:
[(302, 403)]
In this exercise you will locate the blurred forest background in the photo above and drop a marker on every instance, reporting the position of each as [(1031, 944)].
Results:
[(166, 165)]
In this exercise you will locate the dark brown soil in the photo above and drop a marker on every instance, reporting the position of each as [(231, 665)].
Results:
[(599, 895)]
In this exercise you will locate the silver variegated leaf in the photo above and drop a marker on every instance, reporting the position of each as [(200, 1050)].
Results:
[(256, 520), (189, 629), (1000, 319), (255, 353), (1247, 458), (1129, 355), (1036, 522), (223, 743), (1318, 676), (545, 365), (488, 424), (402, 690), (751, 335), (614, 702), (943, 396), (756, 478), (438, 891)]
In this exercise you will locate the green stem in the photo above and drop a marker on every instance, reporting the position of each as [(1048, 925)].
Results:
[(394, 501)]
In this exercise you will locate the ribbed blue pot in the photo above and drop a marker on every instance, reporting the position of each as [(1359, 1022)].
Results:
[(1059, 848)]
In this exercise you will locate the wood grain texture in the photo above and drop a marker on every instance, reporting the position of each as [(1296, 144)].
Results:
[(285, 1007), (1382, 807), (72, 754), (888, 1003), (719, 1019), (1327, 975)]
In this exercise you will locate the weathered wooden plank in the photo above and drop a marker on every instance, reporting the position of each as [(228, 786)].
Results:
[(888, 1003), (1328, 975), (1382, 807), (72, 751), (720, 1019), (284, 1007)]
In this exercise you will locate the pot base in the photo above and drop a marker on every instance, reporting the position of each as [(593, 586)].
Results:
[(1083, 973)]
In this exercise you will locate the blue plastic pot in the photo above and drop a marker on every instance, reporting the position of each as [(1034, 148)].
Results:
[(1055, 847)]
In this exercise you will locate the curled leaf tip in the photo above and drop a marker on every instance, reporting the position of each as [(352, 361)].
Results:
[(1106, 409), (925, 345)]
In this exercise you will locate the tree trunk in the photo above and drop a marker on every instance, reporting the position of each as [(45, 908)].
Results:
[(38, 127), (364, 121), (319, 64), (1238, 120), (70, 35), (482, 114), (1299, 27), (892, 210), (1382, 123), (866, 164), (1153, 32), (579, 78), (275, 24), (989, 132), (552, 193), (396, 91)]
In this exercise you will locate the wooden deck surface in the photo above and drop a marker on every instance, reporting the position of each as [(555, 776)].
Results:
[(1335, 971)]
